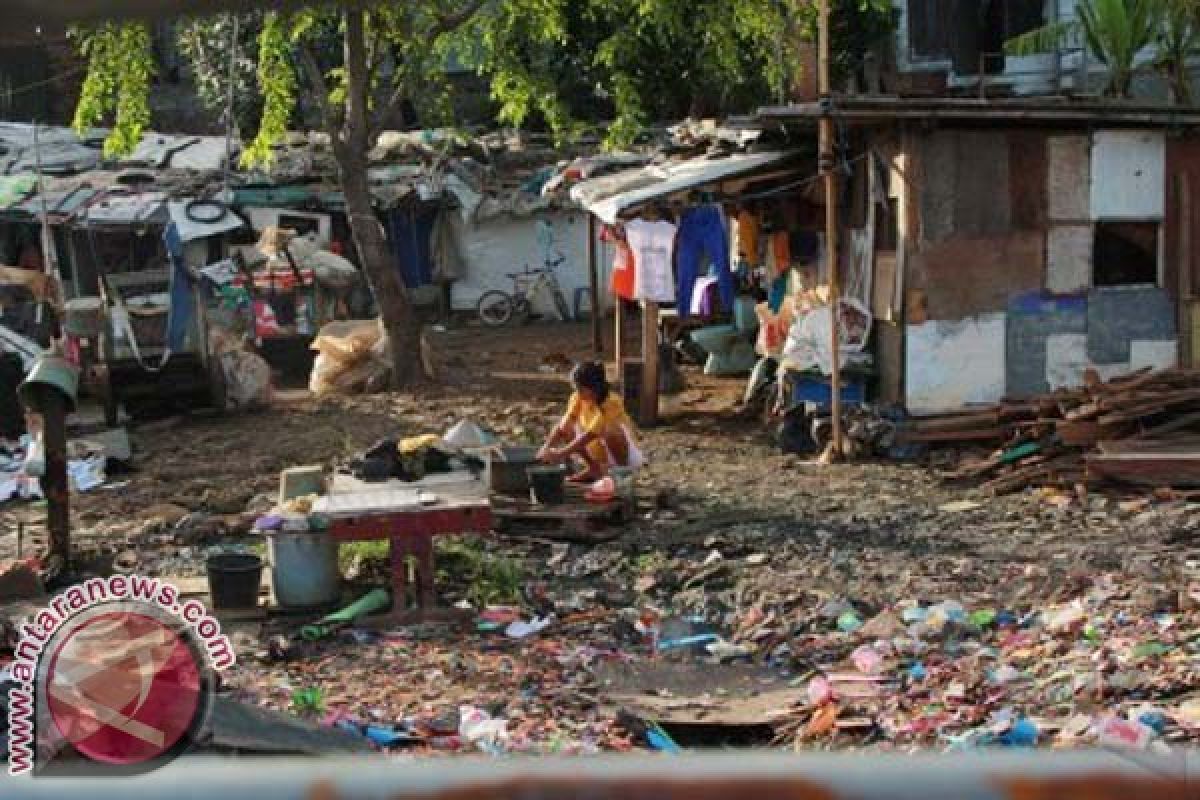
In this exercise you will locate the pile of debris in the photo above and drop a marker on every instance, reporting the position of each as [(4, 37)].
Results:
[(1141, 429)]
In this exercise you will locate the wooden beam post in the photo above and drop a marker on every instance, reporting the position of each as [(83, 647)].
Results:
[(618, 335), (648, 415), (1184, 298), (828, 167), (54, 482), (594, 287)]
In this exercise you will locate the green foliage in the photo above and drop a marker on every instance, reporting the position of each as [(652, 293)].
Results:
[(277, 82), (1180, 40), (205, 43), (351, 553), (561, 62), (490, 580), (117, 85), (1117, 32)]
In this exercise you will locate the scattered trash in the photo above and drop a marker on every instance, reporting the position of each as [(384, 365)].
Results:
[(519, 629)]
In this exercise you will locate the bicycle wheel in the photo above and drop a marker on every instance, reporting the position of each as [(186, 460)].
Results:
[(495, 308), (560, 303)]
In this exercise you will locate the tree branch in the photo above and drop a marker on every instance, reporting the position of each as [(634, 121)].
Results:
[(447, 23), (444, 23), (312, 71)]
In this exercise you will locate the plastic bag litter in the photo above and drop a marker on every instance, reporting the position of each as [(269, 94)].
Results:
[(330, 269), (351, 357), (247, 379), (247, 375)]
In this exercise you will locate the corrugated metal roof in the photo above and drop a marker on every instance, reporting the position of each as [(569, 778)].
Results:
[(62, 150), (15, 188), (886, 109), (162, 150), (128, 209), (61, 203), (610, 196)]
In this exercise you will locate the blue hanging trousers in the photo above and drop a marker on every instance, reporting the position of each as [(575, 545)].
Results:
[(702, 232)]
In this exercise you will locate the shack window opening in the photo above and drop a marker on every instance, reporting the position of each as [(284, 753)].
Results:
[(301, 225), (1125, 254)]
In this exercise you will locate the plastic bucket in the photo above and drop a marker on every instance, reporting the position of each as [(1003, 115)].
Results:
[(548, 485), (233, 580), (304, 569), (624, 479), (507, 469)]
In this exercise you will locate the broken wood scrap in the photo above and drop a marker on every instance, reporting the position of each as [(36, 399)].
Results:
[(976, 435), (1151, 407), (1179, 423), (1153, 469), (1141, 428), (957, 422)]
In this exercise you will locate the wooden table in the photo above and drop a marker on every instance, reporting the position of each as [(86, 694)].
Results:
[(394, 510)]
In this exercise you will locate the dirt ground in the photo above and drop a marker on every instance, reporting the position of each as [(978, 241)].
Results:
[(770, 551)]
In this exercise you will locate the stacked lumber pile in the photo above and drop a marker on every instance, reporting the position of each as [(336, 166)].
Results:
[(1142, 428)]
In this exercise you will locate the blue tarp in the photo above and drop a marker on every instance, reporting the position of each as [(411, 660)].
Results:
[(409, 232), (181, 290)]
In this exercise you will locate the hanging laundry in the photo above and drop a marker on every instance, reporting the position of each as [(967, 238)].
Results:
[(623, 268), (700, 304), (747, 236), (781, 252), (653, 246), (702, 232)]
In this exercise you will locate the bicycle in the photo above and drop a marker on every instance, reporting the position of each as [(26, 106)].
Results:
[(497, 307)]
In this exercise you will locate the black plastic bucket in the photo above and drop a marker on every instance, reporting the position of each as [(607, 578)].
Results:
[(548, 485), (233, 580)]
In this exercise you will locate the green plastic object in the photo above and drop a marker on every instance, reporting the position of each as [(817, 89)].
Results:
[(983, 618), (1019, 452), (373, 601)]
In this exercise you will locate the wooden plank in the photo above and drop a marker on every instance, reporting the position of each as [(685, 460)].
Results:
[(977, 435), (1177, 424), (618, 335), (649, 398), (957, 423), (1186, 356), (594, 287), (1147, 469), (1078, 433), (1147, 409)]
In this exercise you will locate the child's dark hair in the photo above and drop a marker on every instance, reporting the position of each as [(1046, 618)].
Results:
[(590, 375)]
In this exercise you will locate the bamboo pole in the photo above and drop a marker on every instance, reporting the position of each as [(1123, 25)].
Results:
[(594, 288), (828, 168)]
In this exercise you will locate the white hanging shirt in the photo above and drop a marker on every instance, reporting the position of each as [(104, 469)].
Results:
[(653, 246)]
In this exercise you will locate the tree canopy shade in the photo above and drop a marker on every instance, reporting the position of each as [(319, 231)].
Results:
[(566, 62)]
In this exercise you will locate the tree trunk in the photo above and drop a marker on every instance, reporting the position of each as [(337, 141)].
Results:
[(395, 313)]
